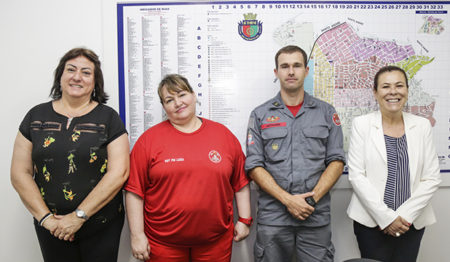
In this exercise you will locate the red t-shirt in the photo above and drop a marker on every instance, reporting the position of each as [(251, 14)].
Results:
[(294, 109), (187, 182)]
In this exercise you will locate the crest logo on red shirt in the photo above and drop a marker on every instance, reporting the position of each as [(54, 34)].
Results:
[(272, 119), (214, 156), (336, 119)]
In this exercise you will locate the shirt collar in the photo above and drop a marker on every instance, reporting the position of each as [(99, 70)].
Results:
[(308, 101)]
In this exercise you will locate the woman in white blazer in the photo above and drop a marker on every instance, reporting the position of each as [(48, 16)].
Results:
[(394, 172)]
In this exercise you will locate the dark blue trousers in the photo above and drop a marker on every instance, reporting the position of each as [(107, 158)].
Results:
[(374, 244)]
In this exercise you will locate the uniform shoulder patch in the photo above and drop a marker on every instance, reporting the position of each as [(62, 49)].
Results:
[(250, 140), (336, 119)]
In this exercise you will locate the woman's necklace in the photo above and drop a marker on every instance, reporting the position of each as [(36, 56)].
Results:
[(70, 116)]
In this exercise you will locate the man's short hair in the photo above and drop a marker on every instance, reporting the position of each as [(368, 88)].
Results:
[(289, 49)]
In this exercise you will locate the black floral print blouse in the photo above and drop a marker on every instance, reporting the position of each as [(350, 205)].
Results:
[(69, 162)]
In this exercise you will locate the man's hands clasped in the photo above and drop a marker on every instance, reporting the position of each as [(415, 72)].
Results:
[(297, 206)]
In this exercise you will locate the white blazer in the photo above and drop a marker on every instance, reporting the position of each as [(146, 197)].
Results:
[(367, 163)]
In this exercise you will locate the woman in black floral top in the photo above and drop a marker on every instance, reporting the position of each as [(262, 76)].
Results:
[(70, 160)]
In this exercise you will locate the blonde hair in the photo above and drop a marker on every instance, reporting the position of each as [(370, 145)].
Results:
[(174, 83)]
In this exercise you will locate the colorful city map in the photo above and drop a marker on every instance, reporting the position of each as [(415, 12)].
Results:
[(344, 64)]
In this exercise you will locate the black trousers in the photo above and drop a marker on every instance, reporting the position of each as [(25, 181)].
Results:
[(100, 246), (374, 244)]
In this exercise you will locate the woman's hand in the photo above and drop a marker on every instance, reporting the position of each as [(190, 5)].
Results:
[(140, 246), (67, 226), (134, 205), (398, 227), (51, 224), (241, 231)]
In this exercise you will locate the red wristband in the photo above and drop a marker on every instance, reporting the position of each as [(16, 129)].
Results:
[(247, 221)]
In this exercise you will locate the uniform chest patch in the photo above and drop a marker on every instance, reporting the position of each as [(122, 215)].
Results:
[(336, 119), (272, 119), (269, 125), (214, 156)]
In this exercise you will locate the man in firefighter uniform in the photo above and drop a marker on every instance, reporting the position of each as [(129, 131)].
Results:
[(295, 155)]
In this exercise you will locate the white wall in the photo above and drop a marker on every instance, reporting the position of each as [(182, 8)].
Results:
[(34, 35)]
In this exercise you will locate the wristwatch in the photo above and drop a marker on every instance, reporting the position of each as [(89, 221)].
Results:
[(81, 214), (247, 221), (310, 200)]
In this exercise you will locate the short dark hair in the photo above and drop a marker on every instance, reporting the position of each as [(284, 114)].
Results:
[(98, 94), (385, 69), (174, 83), (289, 50)]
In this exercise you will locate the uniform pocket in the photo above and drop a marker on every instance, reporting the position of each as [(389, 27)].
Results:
[(316, 138), (259, 252), (273, 138)]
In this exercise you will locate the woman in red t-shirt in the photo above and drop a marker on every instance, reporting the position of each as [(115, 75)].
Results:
[(184, 174)]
